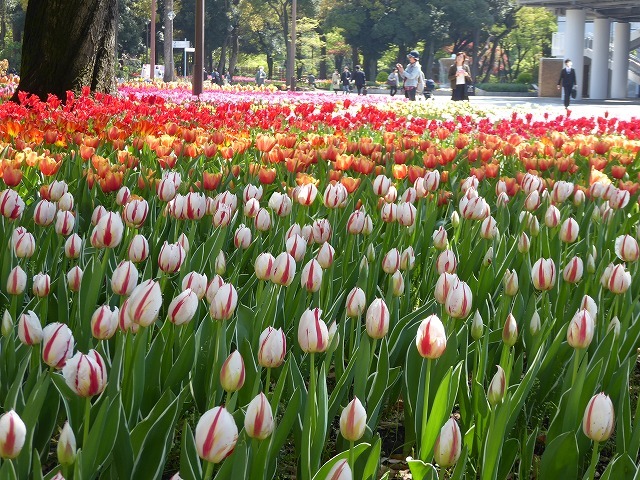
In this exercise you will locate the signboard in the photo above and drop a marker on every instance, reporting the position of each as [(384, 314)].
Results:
[(181, 44)]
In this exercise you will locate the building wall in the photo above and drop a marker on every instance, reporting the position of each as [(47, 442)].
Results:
[(548, 77)]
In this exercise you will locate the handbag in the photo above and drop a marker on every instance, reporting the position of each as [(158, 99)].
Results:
[(470, 89), (574, 92)]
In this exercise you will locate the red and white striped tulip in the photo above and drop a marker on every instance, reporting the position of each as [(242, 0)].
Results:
[(325, 255), (356, 302), (17, 281), (251, 208), (579, 198), (497, 387), (489, 228), (446, 262), (534, 324), (145, 303), (24, 244), (86, 374), (531, 182), (258, 421), (13, 433), (311, 276), (552, 216), (166, 190), (284, 269), (57, 189), (469, 182), (306, 232), (409, 195), (124, 278), (599, 419), (443, 285), (340, 471), (232, 372), (135, 212), (216, 435), (41, 285), (224, 302), (543, 274), (573, 271), (171, 257), (355, 224), (406, 214), (392, 194), (321, 230), (381, 185), (569, 230), (307, 194), (272, 348), (263, 266), (440, 238), (589, 304), (97, 214), (29, 329), (65, 222), (561, 191), (183, 307), (389, 212), (108, 231), (431, 339), (196, 282), (222, 215), (125, 322), (313, 334), (104, 322), (73, 246), (57, 344), (7, 324), (502, 200), (138, 249), (619, 199), (391, 261), (280, 204), (523, 243), (432, 180), (626, 248), (242, 237), (296, 247), (194, 206), (215, 283), (251, 191), (377, 319), (44, 213), (459, 300), (11, 204), (619, 280), (335, 195), (262, 221), (446, 451), (532, 201), (353, 421), (581, 330), (123, 196)]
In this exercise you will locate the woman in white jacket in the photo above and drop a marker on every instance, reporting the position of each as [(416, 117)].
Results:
[(411, 74)]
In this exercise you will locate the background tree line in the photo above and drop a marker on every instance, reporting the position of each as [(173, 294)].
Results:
[(507, 40)]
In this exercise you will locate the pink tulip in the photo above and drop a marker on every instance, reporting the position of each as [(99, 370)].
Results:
[(272, 348), (216, 435), (431, 339), (86, 374), (377, 319), (258, 421), (57, 344), (446, 451), (29, 329), (313, 334), (599, 422), (353, 421), (232, 372), (13, 433), (104, 322)]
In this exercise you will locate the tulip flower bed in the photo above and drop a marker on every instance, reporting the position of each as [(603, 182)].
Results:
[(193, 288)]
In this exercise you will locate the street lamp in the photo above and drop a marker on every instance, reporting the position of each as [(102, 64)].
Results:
[(291, 66), (152, 41), (168, 44)]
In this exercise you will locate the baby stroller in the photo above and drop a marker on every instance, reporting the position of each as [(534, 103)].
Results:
[(429, 87)]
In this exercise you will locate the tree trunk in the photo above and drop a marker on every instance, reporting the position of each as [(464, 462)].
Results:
[(168, 41), (269, 66), (235, 47), (355, 56), (223, 57), (68, 44), (3, 22), (370, 67), (323, 71)]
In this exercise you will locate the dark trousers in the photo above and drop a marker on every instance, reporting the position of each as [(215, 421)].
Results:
[(567, 95), (393, 89), (410, 93)]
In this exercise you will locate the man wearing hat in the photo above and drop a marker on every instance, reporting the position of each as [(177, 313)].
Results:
[(411, 74)]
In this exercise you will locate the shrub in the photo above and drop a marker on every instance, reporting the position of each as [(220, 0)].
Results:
[(503, 87), (382, 76), (525, 78)]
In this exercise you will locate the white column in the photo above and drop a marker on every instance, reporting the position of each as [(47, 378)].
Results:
[(599, 73), (574, 43), (620, 67)]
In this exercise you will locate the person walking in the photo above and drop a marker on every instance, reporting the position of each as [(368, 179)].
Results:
[(335, 81), (345, 79), (410, 74), (460, 77), (261, 76), (392, 81), (568, 82), (359, 79)]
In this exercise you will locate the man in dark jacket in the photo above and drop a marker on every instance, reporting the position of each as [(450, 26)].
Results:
[(345, 79), (568, 81), (359, 79)]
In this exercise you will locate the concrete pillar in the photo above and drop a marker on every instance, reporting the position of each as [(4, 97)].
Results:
[(574, 43), (620, 66), (599, 75)]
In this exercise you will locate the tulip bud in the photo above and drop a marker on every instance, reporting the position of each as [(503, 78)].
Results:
[(443, 285), (552, 216), (356, 302), (459, 300), (488, 257), (224, 302), (86, 374), (73, 246), (397, 284), (41, 285), (215, 283), (431, 339), (619, 280), (510, 331), (258, 421), (614, 325), (340, 471), (370, 253), (391, 261), (381, 185), (145, 303), (446, 451), (572, 273), (221, 263), (497, 387), (313, 334), (7, 324), (455, 219), (626, 248), (13, 432), (446, 262), (280, 204), (232, 373), (66, 446), (108, 231), (510, 282), (523, 243), (353, 421), (407, 259), (124, 278), (17, 281), (183, 241), (216, 435), (296, 247), (104, 322), (311, 277), (333, 331), (591, 264), (581, 330), (598, 422), (569, 231), (29, 329), (477, 326), (377, 319), (272, 348), (183, 307), (534, 324), (171, 257), (325, 255), (24, 244), (578, 198), (355, 224), (543, 274), (368, 226), (242, 237), (440, 240), (489, 228), (284, 269), (44, 213)]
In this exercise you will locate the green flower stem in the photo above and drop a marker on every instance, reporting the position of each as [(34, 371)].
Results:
[(312, 398), (577, 357), (267, 383), (595, 456), (35, 358), (218, 331), (87, 420), (208, 472), (352, 458), (425, 410)]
